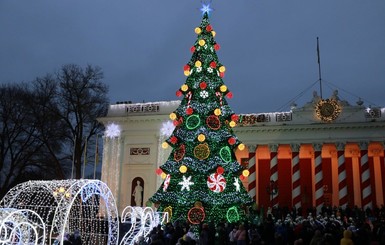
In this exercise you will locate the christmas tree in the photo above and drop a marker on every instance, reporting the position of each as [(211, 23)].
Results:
[(202, 178)]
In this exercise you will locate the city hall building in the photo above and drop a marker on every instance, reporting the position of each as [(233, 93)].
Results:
[(326, 152)]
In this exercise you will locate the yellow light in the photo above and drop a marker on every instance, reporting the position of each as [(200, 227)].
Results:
[(202, 42), (173, 116), (241, 147), (232, 124), (223, 88), (55, 193), (186, 73), (61, 189), (201, 137), (198, 30), (184, 87), (183, 169), (163, 175), (198, 63), (67, 195), (213, 33), (164, 145), (217, 112), (222, 69), (245, 173)]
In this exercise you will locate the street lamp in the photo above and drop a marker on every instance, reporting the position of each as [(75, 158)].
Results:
[(272, 190)]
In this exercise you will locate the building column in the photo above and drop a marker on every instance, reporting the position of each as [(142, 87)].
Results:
[(253, 173), (376, 154), (306, 165), (284, 183), (342, 182), (352, 154), (366, 189), (330, 174), (273, 173), (318, 175), (263, 177), (296, 191)]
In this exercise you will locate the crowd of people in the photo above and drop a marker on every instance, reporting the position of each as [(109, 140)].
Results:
[(281, 226)]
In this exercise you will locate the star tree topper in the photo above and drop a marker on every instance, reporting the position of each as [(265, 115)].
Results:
[(206, 8)]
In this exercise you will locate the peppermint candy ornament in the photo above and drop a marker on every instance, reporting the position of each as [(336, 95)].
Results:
[(216, 182), (166, 182)]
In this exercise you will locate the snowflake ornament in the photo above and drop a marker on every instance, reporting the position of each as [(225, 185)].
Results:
[(199, 69), (112, 130), (210, 70), (186, 183), (204, 94), (167, 128), (237, 185)]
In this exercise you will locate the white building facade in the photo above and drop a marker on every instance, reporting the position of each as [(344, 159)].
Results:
[(327, 152)]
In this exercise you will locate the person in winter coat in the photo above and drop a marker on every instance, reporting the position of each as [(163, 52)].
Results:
[(241, 235), (347, 239)]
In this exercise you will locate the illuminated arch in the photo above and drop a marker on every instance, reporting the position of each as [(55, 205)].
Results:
[(21, 227), (67, 206)]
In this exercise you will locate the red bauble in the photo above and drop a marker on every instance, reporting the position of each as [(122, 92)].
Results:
[(221, 74), (216, 47), (179, 93), (189, 111), (234, 117), (229, 95), (203, 85), (220, 170), (242, 177), (159, 171), (231, 140), (213, 64), (173, 139), (176, 123), (186, 68), (209, 28), (192, 49)]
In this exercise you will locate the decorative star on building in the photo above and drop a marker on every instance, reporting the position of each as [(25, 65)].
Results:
[(237, 185), (167, 128), (112, 130), (186, 183), (206, 9)]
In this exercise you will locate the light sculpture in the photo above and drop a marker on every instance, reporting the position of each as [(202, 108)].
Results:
[(66, 206)]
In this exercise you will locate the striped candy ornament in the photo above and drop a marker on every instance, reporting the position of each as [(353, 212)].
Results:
[(216, 182)]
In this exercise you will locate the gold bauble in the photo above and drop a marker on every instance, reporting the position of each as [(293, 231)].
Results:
[(223, 88), (183, 169), (201, 137), (217, 112)]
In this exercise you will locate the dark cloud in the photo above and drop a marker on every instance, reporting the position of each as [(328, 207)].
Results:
[(268, 47)]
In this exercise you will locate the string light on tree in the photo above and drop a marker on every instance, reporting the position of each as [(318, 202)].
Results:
[(202, 166)]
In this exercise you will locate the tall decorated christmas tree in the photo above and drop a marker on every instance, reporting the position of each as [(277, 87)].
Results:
[(202, 178)]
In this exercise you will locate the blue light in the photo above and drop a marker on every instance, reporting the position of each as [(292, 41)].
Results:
[(206, 8)]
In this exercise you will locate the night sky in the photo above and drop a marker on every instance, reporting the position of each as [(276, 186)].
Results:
[(269, 47)]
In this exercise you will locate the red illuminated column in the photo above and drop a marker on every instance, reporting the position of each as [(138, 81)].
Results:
[(252, 169), (296, 192), (319, 184)]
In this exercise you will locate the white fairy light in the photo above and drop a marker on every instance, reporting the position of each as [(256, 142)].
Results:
[(113, 130), (141, 221), (21, 226), (65, 206), (167, 128)]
